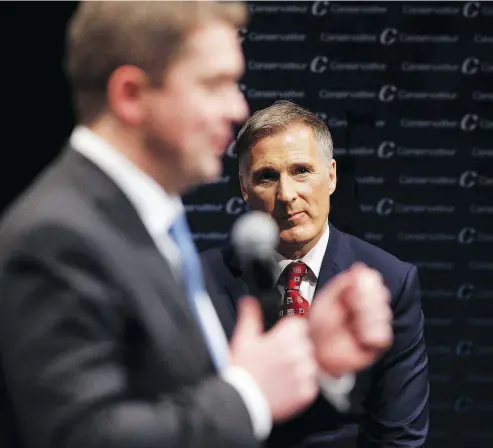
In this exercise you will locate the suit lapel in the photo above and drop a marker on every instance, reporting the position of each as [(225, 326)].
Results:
[(222, 303), (237, 287), (173, 296), (337, 257), (237, 284), (113, 205)]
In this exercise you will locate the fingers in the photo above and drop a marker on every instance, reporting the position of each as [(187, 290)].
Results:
[(369, 304), (296, 329), (374, 334), (294, 334), (300, 363), (303, 353)]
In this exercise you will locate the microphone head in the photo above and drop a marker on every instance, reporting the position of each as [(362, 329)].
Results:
[(255, 235)]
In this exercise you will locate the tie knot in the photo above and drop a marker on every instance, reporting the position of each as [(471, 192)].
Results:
[(294, 274)]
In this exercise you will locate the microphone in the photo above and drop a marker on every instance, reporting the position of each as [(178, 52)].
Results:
[(254, 238)]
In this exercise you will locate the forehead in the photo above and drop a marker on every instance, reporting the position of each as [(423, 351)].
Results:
[(295, 143)]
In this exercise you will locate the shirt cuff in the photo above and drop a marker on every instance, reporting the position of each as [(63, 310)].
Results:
[(254, 399), (336, 390)]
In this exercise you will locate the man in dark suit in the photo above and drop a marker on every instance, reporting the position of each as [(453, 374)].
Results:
[(108, 337), (287, 170)]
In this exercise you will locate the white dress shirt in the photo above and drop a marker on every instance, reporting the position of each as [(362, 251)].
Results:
[(334, 390)]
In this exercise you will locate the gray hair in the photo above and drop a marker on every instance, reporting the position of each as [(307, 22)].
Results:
[(276, 118)]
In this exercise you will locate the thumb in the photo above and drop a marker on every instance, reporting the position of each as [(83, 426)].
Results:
[(250, 320)]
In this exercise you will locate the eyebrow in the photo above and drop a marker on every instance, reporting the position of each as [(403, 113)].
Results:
[(263, 169), (295, 164)]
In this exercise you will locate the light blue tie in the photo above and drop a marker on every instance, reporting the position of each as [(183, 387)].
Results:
[(193, 278)]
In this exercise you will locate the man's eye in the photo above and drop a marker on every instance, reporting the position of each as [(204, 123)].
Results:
[(302, 170), (265, 176)]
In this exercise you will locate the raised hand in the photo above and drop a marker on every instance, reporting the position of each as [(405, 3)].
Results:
[(281, 361), (351, 321)]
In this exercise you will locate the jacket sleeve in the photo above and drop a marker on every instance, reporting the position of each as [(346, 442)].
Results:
[(61, 327), (396, 407)]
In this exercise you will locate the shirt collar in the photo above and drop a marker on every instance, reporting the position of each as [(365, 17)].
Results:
[(156, 208), (313, 259)]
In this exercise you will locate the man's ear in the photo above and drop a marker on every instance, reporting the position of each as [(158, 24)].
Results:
[(126, 94), (244, 193), (332, 176)]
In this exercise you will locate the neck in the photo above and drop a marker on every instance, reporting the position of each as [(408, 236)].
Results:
[(131, 144)]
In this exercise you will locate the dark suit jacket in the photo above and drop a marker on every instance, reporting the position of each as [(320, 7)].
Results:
[(390, 400), (98, 348)]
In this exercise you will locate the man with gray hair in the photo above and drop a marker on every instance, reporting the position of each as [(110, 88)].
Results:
[(287, 169)]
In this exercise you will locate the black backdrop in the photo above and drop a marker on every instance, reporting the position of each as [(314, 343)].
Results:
[(406, 89)]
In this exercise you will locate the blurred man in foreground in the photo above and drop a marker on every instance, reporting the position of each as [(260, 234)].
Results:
[(286, 169), (108, 336)]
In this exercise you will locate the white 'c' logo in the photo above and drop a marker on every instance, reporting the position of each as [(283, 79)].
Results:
[(389, 36), (320, 8), (319, 64)]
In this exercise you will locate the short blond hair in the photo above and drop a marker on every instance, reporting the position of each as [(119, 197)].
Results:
[(276, 118), (103, 35)]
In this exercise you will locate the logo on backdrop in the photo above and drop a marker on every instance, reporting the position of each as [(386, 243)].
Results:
[(470, 66), (233, 206), (472, 122), (468, 291), (259, 8), (465, 291), (471, 9), (272, 95), (390, 36), (236, 206), (389, 149), (469, 235), (389, 206), (390, 92), (320, 64), (469, 122), (322, 8)]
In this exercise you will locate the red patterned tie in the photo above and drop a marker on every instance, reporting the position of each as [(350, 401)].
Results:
[(293, 304)]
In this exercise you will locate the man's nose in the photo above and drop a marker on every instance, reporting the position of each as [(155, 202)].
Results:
[(286, 190), (239, 107)]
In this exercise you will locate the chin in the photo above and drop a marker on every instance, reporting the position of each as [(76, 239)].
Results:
[(302, 233), (295, 235), (210, 171)]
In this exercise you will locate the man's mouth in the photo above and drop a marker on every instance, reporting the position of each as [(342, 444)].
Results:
[(293, 216)]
